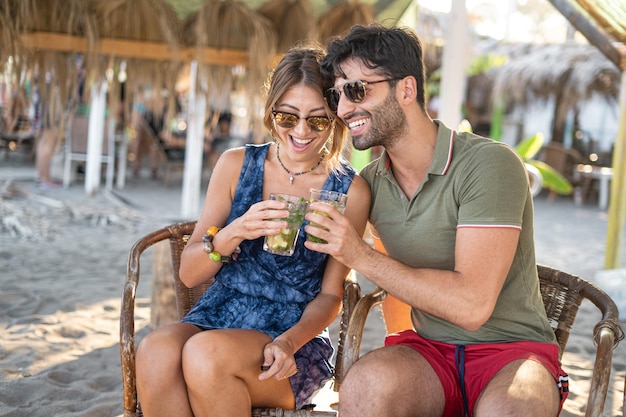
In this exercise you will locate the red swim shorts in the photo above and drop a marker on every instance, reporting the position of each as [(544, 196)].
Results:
[(481, 363)]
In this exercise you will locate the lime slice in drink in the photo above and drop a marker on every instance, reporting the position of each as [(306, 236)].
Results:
[(277, 242)]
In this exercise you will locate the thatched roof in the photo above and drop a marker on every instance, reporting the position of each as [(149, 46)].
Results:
[(231, 24), (293, 21), (65, 17), (536, 72), (610, 15), (342, 17), (139, 20)]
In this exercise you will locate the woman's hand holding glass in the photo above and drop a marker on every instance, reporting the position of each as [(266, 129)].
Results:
[(284, 243), (261, 219)]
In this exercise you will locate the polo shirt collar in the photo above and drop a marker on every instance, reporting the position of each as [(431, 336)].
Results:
[(442, 158)]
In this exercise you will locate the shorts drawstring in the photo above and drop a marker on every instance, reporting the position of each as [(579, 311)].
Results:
[(459, 360)]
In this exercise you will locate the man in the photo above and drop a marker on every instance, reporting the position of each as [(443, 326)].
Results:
[(454, 213)]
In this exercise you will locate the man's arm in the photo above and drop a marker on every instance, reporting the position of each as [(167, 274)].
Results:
[(465, 296)]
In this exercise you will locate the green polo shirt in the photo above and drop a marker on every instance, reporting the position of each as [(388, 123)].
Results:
[(472, 182)]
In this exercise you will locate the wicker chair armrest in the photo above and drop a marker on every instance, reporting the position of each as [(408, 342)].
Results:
[(610, 313), (351, 295), (127, 320), (605, 340), (354, 332)]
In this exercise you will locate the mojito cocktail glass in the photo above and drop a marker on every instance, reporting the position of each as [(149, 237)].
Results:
[(334, 198), (284, 243)]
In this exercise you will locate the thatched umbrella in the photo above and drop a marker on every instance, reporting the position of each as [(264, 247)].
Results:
[(571, 73), (9, 36), (71, 17), (293, 21), (341, 17), (144, 21), (234, 25), (54, 72)]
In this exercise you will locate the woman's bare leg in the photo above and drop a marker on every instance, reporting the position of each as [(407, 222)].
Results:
[(222, 367), (161, 386)]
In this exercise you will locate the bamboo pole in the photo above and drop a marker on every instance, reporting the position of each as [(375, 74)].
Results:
[(617, 205)]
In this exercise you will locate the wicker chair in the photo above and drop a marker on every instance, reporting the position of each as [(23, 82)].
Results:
[(177, 235), (562, 295)]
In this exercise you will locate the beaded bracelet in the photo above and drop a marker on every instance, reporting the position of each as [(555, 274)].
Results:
[(214, 255)]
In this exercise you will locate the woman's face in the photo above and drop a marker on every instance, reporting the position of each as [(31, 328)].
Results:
[(301, 123)]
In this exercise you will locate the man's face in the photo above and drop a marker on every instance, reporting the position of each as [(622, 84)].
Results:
[(376, 120)]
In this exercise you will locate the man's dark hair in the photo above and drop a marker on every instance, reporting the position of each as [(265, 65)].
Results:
[(391, 52)]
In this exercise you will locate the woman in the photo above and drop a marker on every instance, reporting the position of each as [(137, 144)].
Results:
[(257, 337)]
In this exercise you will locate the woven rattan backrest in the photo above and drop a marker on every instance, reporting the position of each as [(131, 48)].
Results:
[(185, 297), (561, 298), (562, 295)]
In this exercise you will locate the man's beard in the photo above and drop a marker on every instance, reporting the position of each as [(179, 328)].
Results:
[(387, 123)]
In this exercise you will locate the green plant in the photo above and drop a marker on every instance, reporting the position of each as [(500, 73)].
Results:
[(552, 179)]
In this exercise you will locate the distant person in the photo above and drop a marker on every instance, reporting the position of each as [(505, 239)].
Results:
[(45, 128), (222, 140), (140, 144)]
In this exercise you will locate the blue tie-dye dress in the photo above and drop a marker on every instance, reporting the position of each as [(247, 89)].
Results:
[(269, 292)]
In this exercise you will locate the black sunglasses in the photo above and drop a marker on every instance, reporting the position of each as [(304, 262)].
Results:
[(354, 91), (290, 120)]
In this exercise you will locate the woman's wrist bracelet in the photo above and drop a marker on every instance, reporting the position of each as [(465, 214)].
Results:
[(215, 256)]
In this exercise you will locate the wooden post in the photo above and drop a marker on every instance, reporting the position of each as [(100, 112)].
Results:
[(95, 137), (163, 297), (455, 56), (190, 199)]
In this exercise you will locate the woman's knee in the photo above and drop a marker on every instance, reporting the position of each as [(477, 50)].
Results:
[(163, 347), (205, 355)]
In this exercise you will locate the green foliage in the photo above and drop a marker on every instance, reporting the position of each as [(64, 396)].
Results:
[(530, 147), (483, 63), (552, 179), (183, 8)]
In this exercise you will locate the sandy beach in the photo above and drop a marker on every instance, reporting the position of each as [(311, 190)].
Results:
[(63, 262)]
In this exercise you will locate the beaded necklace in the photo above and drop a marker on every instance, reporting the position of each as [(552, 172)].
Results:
[(295, 174)]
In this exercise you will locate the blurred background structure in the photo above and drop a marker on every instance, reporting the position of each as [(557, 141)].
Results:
[(511, 68)]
